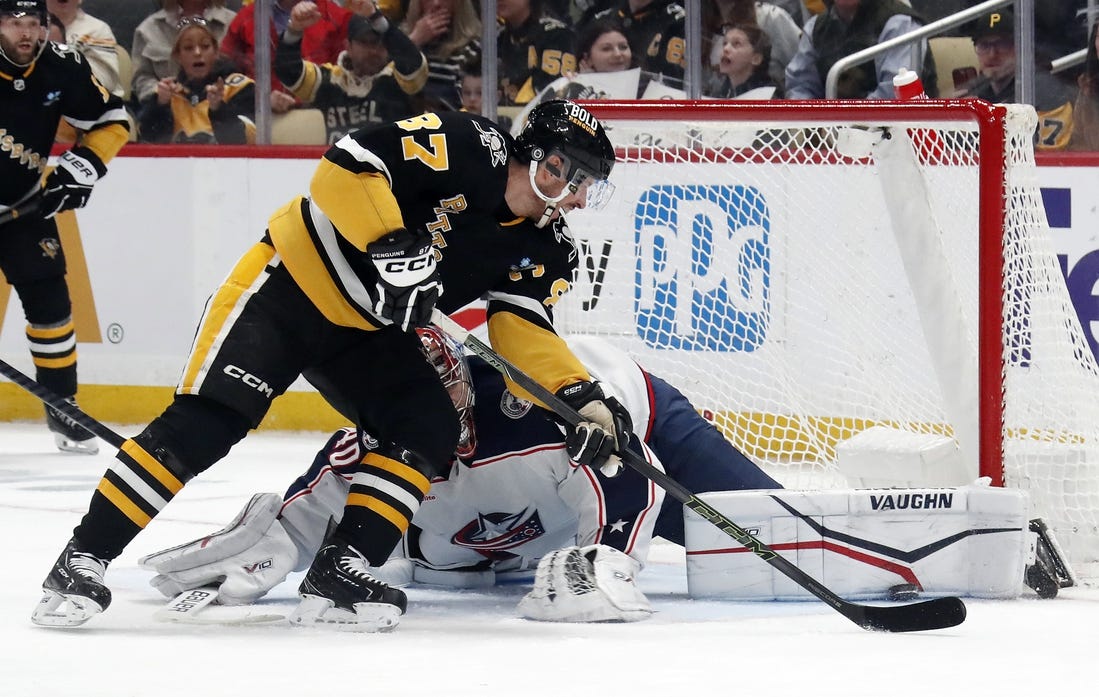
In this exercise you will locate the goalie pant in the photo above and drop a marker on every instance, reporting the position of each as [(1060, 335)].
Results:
[(519, 497)]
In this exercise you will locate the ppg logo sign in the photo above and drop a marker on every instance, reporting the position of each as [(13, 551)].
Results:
[(703, 268)]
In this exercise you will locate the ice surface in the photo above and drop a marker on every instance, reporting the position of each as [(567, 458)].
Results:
[(454, 643)]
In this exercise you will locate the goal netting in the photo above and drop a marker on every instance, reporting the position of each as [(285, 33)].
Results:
[(856, 294)]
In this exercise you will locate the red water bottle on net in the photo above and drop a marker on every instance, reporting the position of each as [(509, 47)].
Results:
[(908, 86)]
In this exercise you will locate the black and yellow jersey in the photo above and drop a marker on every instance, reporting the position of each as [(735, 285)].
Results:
[(531, 56), (656, 34), (187, 117), (34, 99), (446, 174)]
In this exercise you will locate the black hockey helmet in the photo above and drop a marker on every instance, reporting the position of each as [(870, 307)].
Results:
[(21, 8), (571, 130)]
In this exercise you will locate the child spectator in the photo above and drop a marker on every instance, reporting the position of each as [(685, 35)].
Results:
[(156, 35), (207, 102), (93, 38), (370, 82), (743, 68), (448, 32), (781, 29)]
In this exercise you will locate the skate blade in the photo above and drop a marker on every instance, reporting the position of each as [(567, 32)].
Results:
[(314, 611), (76, 611), (81, 447)]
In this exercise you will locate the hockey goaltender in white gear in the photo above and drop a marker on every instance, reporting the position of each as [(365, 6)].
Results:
[(515, 501)]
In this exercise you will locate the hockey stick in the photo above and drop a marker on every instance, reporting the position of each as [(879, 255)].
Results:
[(25, 208), (57, 402), (188, 608), (938, 613)]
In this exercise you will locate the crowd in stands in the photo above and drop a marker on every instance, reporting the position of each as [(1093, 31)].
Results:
[(186, 67)]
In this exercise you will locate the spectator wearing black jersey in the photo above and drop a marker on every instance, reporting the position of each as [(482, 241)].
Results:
[(448, 33), (656, 30), (743, 68), (533, 49), (370, 82)]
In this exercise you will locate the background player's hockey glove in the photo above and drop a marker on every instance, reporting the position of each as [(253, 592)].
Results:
[(607, 423), (408, 278), (70, 183)]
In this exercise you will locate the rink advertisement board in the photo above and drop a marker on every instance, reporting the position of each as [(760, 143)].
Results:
[(161, 232)]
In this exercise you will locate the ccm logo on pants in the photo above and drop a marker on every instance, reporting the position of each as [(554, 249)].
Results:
[(249, 379)]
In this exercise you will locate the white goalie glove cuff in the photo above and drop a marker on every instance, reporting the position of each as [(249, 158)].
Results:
[(245, 559), (586, 584)]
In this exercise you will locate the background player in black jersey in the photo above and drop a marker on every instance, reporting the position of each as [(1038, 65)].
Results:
[(41, 82), (396, 213)]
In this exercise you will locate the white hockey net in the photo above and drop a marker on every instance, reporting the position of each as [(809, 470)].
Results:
[(808, 275)]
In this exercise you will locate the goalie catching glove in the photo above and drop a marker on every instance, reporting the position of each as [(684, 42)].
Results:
[(586, 584), (408, 279), (245, 559), (70, 183), (606, 425)]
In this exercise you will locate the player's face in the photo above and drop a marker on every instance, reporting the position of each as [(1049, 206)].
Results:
[(367, 57), (19, 37), (609, 53), (196, 52)]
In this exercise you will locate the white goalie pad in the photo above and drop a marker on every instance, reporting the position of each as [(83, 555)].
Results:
[(586, 584), (245, 559), (969, 541)]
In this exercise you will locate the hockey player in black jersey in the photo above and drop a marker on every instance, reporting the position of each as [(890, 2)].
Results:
[(397, 213), (41, 82)]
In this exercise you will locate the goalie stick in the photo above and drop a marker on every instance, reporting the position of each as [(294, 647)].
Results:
[(938, 613), (188, 606), (70, 410)]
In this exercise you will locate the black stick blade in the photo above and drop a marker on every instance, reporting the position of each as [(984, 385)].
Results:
[(939, 613)]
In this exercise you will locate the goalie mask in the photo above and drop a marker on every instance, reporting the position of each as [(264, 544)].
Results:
[(18, 9), (447, 357), (569, 131)]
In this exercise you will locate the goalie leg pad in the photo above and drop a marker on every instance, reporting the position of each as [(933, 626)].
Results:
[(245, 559), (586, 584)]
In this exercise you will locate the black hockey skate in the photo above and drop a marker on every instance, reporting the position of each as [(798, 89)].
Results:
[(70, 436), (340, 592), (74, 590)]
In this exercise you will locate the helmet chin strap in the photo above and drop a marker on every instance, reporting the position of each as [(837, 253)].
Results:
[(551, 201), (37, 55)]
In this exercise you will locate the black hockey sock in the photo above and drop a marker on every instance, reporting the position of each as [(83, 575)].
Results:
[(132, 492)]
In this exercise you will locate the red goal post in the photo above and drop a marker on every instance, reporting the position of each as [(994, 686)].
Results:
[(856, 293)]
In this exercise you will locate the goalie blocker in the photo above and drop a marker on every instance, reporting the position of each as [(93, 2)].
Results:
[(973, 541)]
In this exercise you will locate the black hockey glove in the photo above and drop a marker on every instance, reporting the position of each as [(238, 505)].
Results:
[(607, 423), (70, 183), (408, 279)]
